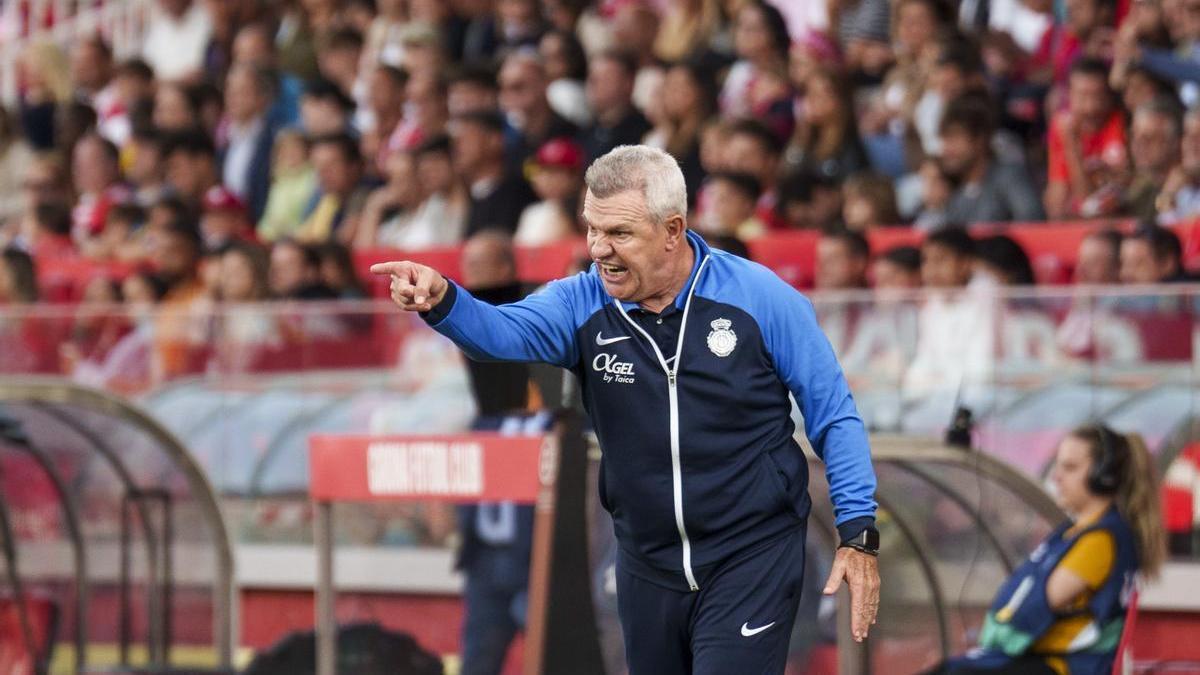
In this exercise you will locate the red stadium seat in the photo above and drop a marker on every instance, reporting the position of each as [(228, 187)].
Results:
[(43, 618)]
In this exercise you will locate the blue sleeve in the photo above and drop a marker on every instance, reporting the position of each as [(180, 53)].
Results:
[(539, 328), (806, 363), (1167, 65)]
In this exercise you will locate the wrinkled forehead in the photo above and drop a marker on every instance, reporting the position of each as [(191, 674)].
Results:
[(627, 208)]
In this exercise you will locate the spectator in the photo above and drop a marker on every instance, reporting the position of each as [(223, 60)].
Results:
[(843, 257), (389, 209), (899, 268), (518, 24), (180, 327), (243, 333), (424, 57), (295, 272), (325, 109), (1152, 255), (987, 189), (610, 91), (690, 103), (382, 114), (441, 217), (338, 54), (382, 46), (936, 191), (47, 235), (133, 83), (145, 166), (687, 30), (957, 69), (751, 148), (472, 88), (96, 172), (118, 240), (826, 138), (1180, 196), (1099, 259), (634, 25), (526, 108), (863, 29), (176, 39), (918, 25), (248, 135), (293, 184), (1087, 156), (255, 46), (46, 87), (757, 85), (92, 74), (566, 70), (177, 107), (557, 178), (1086, 34), (15, 159), (868, 201), (1155, 132), (427, 112), (337, 271), (734, 197), (498, 196), (334, 210), (191, 166), (98, 325), (225, 219), (956, 327), (1000, 258)]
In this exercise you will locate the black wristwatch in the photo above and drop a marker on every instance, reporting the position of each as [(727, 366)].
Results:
[(866, 541)]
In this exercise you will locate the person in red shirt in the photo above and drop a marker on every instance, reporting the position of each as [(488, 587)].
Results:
[(1088, 161)]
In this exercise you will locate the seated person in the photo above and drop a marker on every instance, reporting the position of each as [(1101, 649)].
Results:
[(1063, 609)]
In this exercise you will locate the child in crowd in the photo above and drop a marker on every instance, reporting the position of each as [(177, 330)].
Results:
[(557, 177), (292, 187)]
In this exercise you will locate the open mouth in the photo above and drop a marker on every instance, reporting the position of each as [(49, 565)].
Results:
[(612, 273)]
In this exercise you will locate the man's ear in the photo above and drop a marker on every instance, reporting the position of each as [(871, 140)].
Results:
[(676, 226)]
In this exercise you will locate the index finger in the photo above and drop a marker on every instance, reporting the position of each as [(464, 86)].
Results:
[(390, 268)]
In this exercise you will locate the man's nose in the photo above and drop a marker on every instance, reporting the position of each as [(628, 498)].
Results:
[(599, 248)]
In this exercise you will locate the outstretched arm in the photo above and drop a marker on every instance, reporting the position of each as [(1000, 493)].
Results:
[(538, 328)]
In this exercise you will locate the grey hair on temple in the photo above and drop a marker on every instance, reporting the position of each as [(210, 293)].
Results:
[(648, 170)]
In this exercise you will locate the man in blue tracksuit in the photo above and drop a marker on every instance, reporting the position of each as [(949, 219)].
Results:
[(686, 357)]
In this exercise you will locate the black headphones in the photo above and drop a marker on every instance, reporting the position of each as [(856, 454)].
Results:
[(1104, 478)]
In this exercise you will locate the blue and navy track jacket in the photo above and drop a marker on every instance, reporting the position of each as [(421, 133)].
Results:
[(699, 458)]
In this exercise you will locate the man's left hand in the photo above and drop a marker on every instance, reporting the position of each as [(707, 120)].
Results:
[(861, 572)]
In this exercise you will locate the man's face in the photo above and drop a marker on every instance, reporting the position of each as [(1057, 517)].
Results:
[(1138, 264), (288, 270), (89, 68), (608, 86), (941, 267), (244, 99), (463, 97), (522, 90), (485, 264), (1156, 143), (960, 152), (744, 154), (1097, 263), (889, 276), (92, 168), (335, 174), (631, 253), (190, 175), (1082, 16), (218, 227), (321, 116), (254, 47), (730, 206), (175, 257), (473, 146), (837, 267), (1089, 99)]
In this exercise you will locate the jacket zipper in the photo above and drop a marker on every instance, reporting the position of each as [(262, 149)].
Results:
[(673, 402)]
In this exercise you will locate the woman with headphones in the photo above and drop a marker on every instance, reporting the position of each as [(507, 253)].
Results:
[(1062, 610)]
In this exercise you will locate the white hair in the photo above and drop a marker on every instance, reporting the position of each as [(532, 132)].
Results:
[(648, 170)]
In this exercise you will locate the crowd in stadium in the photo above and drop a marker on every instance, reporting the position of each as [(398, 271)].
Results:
[(251, 146)]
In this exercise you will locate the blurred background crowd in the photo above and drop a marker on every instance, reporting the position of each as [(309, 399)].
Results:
[(250, 151)]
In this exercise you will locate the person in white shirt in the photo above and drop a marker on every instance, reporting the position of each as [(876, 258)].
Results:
[(177, 38)]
